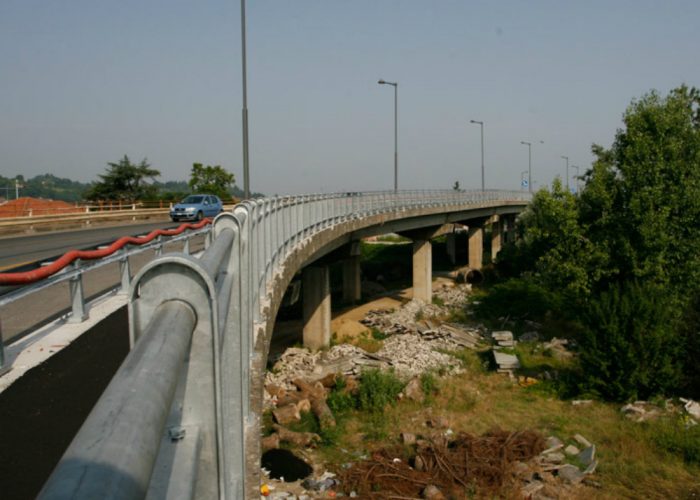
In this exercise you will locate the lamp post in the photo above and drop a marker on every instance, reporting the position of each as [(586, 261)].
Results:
[(522, 179), (567, 171), (577, 174), (246, 178), (396, 130), (529, 163), (482, 151)]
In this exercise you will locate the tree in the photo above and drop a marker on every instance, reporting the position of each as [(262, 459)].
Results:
[(213, 180), (125, 181)]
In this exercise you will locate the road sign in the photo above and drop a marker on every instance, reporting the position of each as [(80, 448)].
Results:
[(524, 183)]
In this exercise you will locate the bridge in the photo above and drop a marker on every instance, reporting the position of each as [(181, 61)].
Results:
[(181, 417)]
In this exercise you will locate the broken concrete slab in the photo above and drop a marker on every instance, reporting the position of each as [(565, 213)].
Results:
[(587, 456), (570, 474), (571, 450)]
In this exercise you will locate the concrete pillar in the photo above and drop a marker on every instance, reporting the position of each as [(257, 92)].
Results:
[(476, 247), (496, 236), (316, 307), (352, 284), (423, 270), (452, 247)]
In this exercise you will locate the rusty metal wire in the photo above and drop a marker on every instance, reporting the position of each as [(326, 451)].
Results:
[(461, 467)]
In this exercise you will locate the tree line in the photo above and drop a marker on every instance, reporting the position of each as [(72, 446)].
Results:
[(126, 181), (619, 264)]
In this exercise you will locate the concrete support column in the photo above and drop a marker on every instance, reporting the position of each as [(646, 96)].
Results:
[(316, 307), (496, 236), (452, 247), (423, 270), (352, 285), (476, 246)]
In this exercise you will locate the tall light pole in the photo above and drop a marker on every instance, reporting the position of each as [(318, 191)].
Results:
[(529, 164), (482, 151), (246, 178), (522, 178), (567, 171), (396, 130), (577, 174)]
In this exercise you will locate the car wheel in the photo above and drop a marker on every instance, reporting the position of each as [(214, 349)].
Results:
[(200, 215)]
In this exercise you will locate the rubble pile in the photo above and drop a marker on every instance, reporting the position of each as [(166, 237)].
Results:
[(642, 411), (410, 355)]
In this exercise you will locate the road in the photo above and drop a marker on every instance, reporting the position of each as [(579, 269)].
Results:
[(20, 250)]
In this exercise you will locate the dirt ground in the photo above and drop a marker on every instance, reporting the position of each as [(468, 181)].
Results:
[(43, 410)]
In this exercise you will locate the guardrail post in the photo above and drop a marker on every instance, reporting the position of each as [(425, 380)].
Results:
[(159, 246), (207, 240), (125, 271), (186, 246), (77, 297)]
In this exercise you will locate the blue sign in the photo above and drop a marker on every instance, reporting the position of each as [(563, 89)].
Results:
[(524, 183)]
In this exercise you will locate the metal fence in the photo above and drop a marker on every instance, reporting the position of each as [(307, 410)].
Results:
[(174, 420)]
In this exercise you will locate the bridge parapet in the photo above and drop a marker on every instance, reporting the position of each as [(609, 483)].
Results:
[(233, 292)]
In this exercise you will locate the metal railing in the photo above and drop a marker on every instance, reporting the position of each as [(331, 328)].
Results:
[(74, 264), (176, 420)]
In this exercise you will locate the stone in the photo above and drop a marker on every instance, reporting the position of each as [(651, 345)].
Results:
[(553, 443), (582, 440), (504, 360), (571, 450), (414, 391), (418, 464), (591, 467), (587, 456), (530, 489), (570, 474), (431, 492), (408, 439), (554, 457), (503, 335)]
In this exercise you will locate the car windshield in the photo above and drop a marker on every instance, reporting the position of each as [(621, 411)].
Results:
[(193, 199)]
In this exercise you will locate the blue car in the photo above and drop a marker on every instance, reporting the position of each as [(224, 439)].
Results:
[(197, 207)]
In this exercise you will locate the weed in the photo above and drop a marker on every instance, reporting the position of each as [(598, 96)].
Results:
[(438, 301), (429, 384), (673, 436), (378, 389), (419, 315), (340, 401), (377, 334)]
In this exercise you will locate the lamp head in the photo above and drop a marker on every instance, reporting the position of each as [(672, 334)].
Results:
[(381, 82)]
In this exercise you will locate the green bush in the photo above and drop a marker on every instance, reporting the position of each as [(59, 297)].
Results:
[(378, 389), (518, 298), (339, 400), (630, 348)]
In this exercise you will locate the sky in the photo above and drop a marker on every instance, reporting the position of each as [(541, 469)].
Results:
[(83, 82)]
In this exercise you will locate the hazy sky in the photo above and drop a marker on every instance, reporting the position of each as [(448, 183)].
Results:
[(82, 82)]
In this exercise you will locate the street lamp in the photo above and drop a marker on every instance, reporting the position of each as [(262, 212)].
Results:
[(529, 163), (577, 174), (396, 130), (522, 179), (246, 179), (567, 171), (482, 151)]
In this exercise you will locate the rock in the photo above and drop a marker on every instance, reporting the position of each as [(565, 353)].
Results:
[(418, 464), (553, 443), (286, 414), (571, 450), (530, 489), (270, 442), (431, 492), (582, 440), (554, 457), (591, 467), (570, 474), (530, 337), (303, 405), (414, 391), (587, 456), (408, 439)]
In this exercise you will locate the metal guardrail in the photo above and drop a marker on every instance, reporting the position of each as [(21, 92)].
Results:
[(74, 264), (174, 422)]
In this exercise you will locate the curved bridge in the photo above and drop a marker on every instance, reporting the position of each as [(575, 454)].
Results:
[(181, 418)]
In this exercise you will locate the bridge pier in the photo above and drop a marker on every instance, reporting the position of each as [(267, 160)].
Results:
[(423, 270), (451, 247), (476, 246), (316, 307), (496, 236), (352, 284)]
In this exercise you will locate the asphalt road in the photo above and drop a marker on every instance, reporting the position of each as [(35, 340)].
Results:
[(21, 250)]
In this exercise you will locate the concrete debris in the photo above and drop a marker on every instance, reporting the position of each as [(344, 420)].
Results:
[(587, 456), (582, 441), (641, 411), (559, 347), (581, 402), (571, 450), (503, 338), (507, 363), (692, 407), (570, 474), (553, 444)]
